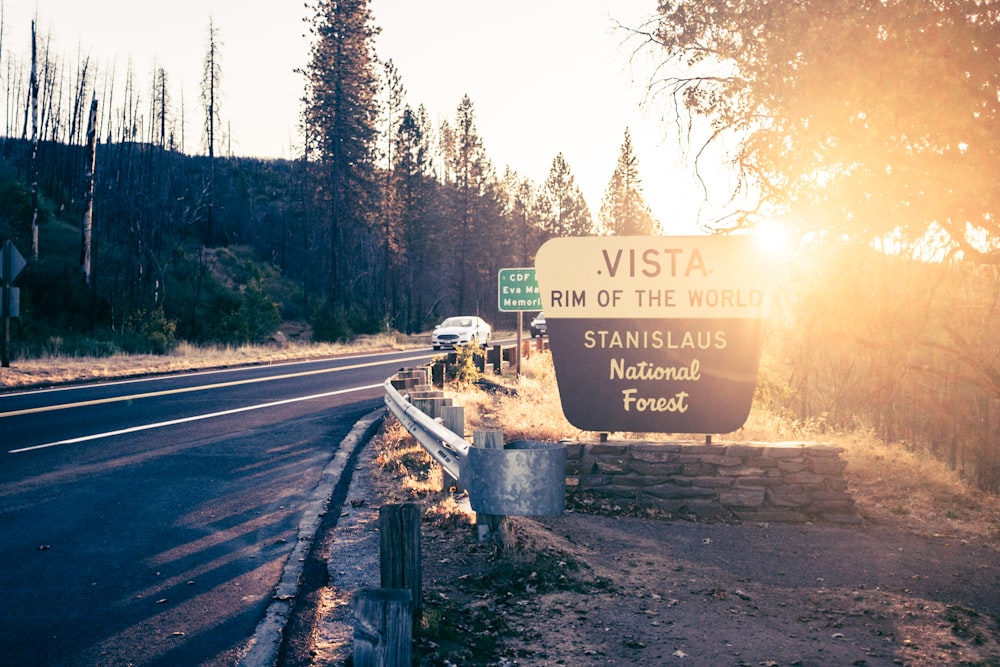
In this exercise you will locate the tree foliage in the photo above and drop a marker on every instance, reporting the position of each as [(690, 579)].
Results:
[(624, 211), (385, 222), (474, 205), (564, 211), (340, 115), (901, 346), (869, 118)]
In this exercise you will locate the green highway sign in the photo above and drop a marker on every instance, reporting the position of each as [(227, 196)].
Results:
[(518, 291)]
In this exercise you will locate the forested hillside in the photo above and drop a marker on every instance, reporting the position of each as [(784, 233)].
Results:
[(162, 265), (383, 222), (882, 166)]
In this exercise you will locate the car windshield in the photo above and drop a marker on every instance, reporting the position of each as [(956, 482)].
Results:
[(457, 322)]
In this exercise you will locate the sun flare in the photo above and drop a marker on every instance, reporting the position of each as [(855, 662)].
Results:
[(773, 238)]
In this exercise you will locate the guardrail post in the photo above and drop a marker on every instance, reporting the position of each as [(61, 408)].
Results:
[(488, 525), (494, 357), (437, 374), (453, 418), (399, 549), (383, 628)]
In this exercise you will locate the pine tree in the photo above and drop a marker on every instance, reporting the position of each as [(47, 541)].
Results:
[(567, 212), (421, 234), (624, 212), (522, 210), (161, 111), (341, 110), (390, 213), (470, 173)]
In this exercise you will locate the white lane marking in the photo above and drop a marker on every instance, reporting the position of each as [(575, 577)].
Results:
[(184, 420), (206, 387)]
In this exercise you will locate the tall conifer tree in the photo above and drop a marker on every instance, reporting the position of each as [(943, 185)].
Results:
[(567, 212), (624, 212), (470, 173), (421, 234), (341, 111)]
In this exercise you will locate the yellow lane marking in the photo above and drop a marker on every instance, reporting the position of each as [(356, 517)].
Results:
[(185, 390)]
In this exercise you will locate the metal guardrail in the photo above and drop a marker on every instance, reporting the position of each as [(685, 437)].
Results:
[(521, 478), (445, 447)]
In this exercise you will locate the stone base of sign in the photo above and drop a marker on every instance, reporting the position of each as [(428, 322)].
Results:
[(772, 482)]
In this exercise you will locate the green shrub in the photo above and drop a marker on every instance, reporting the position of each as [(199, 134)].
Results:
[(255, 318), (149, 332), (330, 323), (467, 364)]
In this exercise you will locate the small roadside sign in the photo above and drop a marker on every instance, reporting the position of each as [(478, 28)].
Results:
[(11, 263), (518, 291)]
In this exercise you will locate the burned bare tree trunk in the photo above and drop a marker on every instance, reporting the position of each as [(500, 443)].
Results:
[(33, 92), (88, 195)]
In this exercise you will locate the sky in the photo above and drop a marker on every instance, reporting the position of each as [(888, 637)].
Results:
[(544, 76)]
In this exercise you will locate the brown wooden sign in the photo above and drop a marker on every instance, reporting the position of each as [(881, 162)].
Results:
[(655, 334)]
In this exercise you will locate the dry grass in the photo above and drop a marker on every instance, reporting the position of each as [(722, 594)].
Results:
[(888, 481), (54, 369), (535, 413), (534, 578), (400, 455)]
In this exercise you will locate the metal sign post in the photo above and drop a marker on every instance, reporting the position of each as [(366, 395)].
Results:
[(517, 291)]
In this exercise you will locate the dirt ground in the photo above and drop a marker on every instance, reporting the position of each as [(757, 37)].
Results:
[(610, 585)]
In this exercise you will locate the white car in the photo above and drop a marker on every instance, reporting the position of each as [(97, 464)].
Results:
[(461, 330)]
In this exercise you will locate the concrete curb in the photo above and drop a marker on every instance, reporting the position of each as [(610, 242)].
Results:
[(262, 650)]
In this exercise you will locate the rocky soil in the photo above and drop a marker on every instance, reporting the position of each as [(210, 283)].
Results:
[(604, 584)]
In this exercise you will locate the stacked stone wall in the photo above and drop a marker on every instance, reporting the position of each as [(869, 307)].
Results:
[(788, 482)]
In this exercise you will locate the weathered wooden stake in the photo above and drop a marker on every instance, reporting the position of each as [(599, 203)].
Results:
[(383, 628), (399, 549)]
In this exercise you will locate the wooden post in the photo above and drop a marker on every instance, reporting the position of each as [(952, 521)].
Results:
[(488, 525), (437, 374), (383, 628), (494, 358), (399, 549), (453, 419)]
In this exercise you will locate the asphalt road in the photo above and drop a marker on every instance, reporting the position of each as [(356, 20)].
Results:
[(147, 522)]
